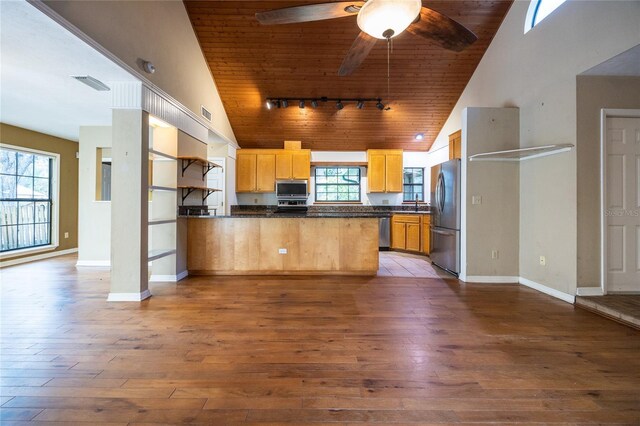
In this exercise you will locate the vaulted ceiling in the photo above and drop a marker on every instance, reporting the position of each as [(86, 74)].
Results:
[(252, 62)]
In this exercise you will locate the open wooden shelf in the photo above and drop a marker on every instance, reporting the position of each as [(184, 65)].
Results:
[(207, 165), (522, 153), (186, 190)]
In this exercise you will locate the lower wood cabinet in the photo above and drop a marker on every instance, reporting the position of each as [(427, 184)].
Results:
[(410, 232)]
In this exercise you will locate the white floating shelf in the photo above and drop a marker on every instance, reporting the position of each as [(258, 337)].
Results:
[(161, 221), (159, 253), (162, 188), (158, 155), (522, 153)]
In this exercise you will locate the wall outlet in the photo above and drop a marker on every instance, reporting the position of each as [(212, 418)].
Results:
[(385, 202), (494, 254), (255, 201), (66, 235), (282, 251), (543, 261), (476, 199)]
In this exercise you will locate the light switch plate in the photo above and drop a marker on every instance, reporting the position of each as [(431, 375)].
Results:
[(282, 251), (476, 199), (543, 261)]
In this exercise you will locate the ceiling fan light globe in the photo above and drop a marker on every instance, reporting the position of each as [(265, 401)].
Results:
[(378, 16)]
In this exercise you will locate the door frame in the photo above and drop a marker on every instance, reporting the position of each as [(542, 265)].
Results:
[(223, 161), (606, 113)]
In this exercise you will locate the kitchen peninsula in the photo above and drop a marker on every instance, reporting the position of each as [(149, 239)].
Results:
[(265, 245)]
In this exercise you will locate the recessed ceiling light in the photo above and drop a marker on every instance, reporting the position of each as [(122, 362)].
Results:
[(419, 136), (94, 83)]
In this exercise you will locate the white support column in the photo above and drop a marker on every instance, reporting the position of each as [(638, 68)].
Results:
[(129, 205)]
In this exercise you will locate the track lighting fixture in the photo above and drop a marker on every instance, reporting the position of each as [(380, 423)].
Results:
[(340, 102)]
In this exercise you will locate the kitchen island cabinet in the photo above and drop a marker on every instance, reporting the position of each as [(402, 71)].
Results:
[(282, 245)]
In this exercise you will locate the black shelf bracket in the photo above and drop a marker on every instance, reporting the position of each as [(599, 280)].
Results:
[(206, 193), (186, 192), (206, 168), (189, 162)]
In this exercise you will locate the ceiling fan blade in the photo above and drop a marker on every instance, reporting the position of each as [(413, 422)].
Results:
[(309, 12), (443, 30), (357, 53)]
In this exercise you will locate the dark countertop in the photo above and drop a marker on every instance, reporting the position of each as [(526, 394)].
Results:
[(322, 211)]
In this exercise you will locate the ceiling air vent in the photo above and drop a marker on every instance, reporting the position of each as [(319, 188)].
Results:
[(205, 113), (91, 82)]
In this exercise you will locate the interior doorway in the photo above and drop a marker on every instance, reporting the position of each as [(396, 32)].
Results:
[(620, 169)]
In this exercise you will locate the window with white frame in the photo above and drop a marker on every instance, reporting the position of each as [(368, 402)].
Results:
[(538, 10), (26, 199)]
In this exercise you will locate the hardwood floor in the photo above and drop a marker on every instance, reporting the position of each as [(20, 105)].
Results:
[(307, 350), (619, 307)]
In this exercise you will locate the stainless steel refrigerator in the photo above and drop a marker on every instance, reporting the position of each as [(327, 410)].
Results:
[(445, 216)]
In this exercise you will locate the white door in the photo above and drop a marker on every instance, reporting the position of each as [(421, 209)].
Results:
[(215, 179), (622, 201)]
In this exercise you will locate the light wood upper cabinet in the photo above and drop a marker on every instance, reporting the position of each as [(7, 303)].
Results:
[(283, 165), (393, 172), (246, 172), (455, 145), (301, 164), (293, 164), (258, 169), (376, 173), (266, 173), (384, 172)]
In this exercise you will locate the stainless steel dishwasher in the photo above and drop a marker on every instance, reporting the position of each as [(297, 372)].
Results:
[(385, 233)]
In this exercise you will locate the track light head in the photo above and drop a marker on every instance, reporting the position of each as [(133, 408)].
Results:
[(269, 104), (360, 105), (339, 105), (285, 103), (301, 104), (380, 105), (314, 103)]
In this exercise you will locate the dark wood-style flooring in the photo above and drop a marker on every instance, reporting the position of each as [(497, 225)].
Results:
[(307, 350)]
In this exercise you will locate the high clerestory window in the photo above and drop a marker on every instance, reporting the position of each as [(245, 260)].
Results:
[(538, 10), (26, 199)]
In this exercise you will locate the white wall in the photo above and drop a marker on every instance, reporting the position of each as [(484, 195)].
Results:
[(156, 31), (94, 217), (537, 73), (410, 159)]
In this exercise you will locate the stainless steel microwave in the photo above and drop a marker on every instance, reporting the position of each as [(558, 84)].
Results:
[(287, 189)]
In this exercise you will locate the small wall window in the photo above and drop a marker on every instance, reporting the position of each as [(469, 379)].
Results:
[(25, 199), (538, 10), (413, 184), (338, 184)]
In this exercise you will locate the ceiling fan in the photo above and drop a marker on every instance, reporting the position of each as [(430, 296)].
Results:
[(378, 20)]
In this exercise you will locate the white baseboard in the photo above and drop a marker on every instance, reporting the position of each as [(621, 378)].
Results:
[(37, 257), (168, 278), (548, 290), (589, 291), (94, 263), (487, 279), (129, 297)]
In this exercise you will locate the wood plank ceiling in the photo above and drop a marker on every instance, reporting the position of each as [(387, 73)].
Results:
[(251, 62)]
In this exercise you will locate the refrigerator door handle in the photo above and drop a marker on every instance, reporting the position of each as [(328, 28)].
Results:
[(441, 192)]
